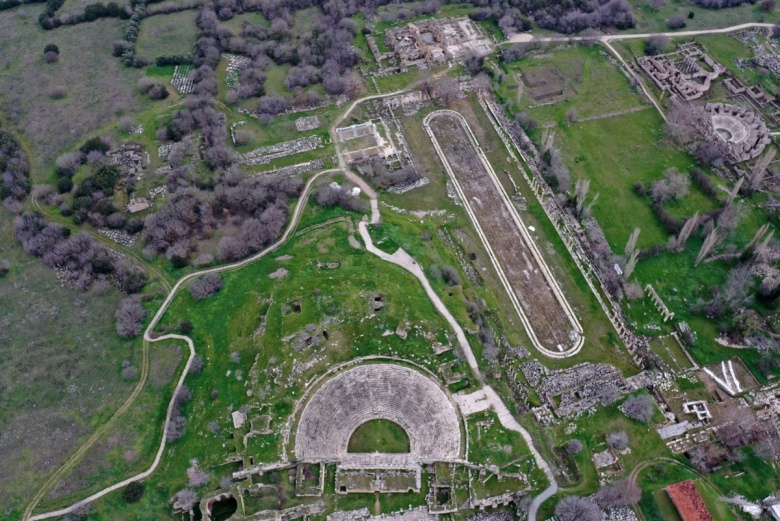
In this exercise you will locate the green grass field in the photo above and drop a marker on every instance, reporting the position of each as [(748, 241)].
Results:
[(650, 21), (491, 443), (61, 371), (596, 87), (379, 436), (98, 87), (617, 152), (167, 34)]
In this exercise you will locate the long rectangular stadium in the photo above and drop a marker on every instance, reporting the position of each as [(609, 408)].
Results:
[(542, 307)]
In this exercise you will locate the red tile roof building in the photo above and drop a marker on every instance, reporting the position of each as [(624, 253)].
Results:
[(688, 501)]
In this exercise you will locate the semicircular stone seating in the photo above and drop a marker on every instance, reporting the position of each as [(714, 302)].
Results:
[(379, 392), (744, 131)]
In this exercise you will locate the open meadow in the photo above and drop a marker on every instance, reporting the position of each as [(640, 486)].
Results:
[(97, 87)]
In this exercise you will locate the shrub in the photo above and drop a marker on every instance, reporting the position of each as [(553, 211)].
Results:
[(206, 286), (656, 44), (95, 143), (618, 440), (676, 22), (197, 365), (129, 372), (242, 137), (133, 492), (57, 93), (67, 164), (574, 447), (5, 267), (50, 47), (451, 276), (185, 327), (64, 185), (152, 88)]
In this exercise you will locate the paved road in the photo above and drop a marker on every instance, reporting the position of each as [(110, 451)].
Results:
[(528, 38)]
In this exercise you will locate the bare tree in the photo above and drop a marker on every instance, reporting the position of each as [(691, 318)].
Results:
[(447, 89), (573, 447), (633, 290), (206, 286), (673, 186), (581, 188), (750, 249), (618, 440), (129, 316), (734, 191), (631, 264), (656, 44), (734, 293), (196, 476), (185, 499), (709, 242), (574, 508), (677, 244), (67, 164), (632, 240), (640, 407), (768, 448), (622, 492)]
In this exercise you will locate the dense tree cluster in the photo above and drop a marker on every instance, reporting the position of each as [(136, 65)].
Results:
[(256, 208), (178, 423), (153, 88), (199, 114), (382, 177), (563, 16), (720, 4), (48, 19), (327, 196), (14, 170), (10, 4), (81, 259)]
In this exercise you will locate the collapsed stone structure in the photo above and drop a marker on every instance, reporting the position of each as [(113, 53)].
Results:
[(574, 390), (268, 153), (432, 42), (682, 73)]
